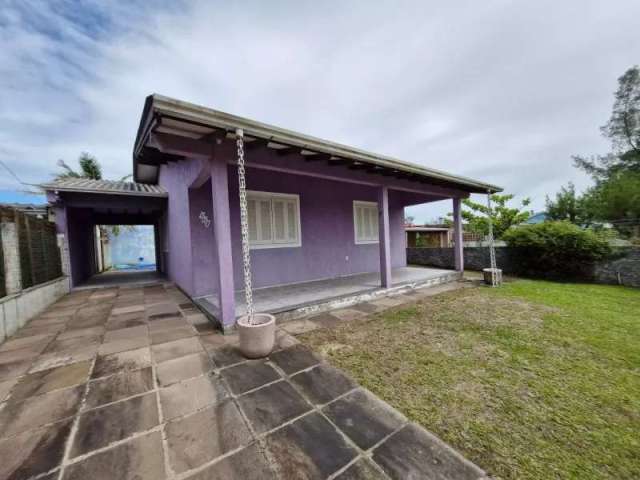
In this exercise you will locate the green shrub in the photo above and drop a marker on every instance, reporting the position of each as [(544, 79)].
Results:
[(556, 249)]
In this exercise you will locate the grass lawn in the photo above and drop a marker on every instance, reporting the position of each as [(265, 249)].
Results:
[(534, 380)]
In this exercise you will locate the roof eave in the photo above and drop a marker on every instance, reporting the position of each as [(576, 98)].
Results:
[(160, 105), (54, 188)]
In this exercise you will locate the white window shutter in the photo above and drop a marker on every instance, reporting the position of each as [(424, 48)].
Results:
[(264, 217), (273, 219), (292, 221), (279, 221), (374, 223), (360, 223), (365, 218), (253, 225)]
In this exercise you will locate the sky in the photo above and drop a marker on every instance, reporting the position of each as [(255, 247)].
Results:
[(501, 91)]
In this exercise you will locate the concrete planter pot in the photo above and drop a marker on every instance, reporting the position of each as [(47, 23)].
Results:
[(486, 272), (257, 338)]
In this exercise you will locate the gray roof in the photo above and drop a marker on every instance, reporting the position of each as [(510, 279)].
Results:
[(104, 186), (164, 114)]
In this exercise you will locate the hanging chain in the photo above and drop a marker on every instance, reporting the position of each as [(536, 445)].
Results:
[(244, 226), (492, 250)]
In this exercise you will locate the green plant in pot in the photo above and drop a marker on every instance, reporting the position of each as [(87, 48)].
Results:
[(257, 331)]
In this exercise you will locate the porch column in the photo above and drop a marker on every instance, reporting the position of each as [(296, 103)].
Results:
[(458, 252), (384, 237), (222, 230)]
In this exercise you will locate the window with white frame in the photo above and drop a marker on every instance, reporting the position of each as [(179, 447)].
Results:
[(274, 220), (365, 222)]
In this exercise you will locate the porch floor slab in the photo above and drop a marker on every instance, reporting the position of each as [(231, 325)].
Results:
[(294, 296)]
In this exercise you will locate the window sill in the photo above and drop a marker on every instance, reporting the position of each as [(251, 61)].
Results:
[(274, 245)]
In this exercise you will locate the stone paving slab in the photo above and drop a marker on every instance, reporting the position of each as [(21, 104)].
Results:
[(36, 343), (18, 416), (119, 386), (249, 463), (272, 406), (129, 360), (99, 427), (139, 459), (34, 452), (323, 383), (53, 379), (309, 448), (226, 356), (250, 375), (94, 388), (206, 435), (294, 359), (178, 348), (183, 368), (415, 453), (191, 395), (366, 419)]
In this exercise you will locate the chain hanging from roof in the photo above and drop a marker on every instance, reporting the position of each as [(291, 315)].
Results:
[(244, 226)]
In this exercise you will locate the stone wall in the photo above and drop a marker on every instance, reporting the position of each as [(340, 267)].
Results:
[(622, 268)]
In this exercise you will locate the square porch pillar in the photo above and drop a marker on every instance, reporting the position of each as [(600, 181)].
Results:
[(458, 247), (222, 230), (384, 237)]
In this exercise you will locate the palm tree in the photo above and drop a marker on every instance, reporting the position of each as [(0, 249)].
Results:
[(90, 168)]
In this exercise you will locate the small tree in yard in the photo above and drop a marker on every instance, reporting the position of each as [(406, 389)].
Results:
[(558, 248), (502, 216), (567, 206)]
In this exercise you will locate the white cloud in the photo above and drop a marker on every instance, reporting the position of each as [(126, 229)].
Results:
[(503, 92)]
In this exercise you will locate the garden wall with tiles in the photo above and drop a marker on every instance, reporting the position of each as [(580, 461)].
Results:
[(622, 268)]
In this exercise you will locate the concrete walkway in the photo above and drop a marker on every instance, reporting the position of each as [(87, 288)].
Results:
[(133, 383)]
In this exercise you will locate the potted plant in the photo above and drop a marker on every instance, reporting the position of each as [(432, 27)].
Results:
[(257, 331)]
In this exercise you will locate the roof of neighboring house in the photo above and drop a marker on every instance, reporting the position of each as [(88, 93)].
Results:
[(536, 218), (427, 228), (36, 210), (193, 122), (86, 185)]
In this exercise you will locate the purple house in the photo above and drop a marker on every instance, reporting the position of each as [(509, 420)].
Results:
[(326, 221)]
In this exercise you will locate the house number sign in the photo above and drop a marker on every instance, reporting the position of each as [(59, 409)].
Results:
[(204, 219)]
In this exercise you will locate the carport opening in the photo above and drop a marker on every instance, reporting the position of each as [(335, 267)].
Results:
[(126, 248)]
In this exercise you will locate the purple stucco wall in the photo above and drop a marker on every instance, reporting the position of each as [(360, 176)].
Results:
[(326, 210), (326, 216), (205, 262), (176, 179)]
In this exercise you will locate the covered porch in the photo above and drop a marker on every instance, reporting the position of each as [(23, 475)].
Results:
[(334, 214), (293, 300)]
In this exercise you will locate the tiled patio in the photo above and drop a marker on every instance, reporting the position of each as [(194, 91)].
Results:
[(133, 383)]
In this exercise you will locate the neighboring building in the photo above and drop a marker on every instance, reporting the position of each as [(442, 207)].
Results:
[(317, 209), (429, 236), (37, 210), (535, 218)]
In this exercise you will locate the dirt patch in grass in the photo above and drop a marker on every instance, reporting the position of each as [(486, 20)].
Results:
[(523, 380)]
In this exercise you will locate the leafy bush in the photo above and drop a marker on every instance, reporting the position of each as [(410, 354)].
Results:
[(557, 248)]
